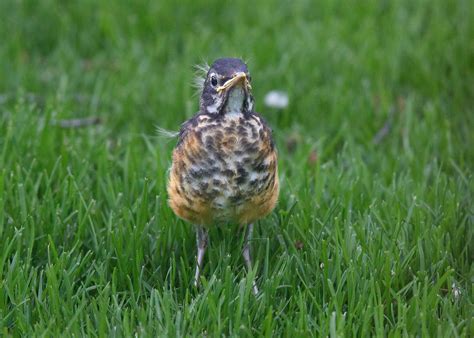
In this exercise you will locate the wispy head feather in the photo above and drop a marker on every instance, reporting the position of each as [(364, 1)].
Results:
[(200, 72)]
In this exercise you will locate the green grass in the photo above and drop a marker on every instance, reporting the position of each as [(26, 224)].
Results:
[(369, 238)]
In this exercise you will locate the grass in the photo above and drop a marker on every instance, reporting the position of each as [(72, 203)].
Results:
[(373, 235)]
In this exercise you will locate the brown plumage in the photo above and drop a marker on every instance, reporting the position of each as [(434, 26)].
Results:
[(224, 167)]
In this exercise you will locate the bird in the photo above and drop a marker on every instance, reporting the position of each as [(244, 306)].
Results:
[(224, 166)]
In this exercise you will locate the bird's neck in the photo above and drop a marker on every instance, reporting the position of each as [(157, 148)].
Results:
[(235, 102)]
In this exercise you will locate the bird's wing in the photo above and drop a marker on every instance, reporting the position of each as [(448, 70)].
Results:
[(266, 127), (185, 128)]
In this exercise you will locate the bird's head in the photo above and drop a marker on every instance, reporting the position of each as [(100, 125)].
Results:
[(227, 88)]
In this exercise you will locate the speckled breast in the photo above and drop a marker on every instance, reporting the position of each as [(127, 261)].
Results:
[(224, 170)]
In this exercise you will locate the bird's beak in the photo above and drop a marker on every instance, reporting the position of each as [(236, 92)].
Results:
[(239, 77)]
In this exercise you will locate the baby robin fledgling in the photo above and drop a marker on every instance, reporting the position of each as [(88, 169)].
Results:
[(224, 166)]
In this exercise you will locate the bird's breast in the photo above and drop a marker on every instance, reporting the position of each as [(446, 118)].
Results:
[(224, 170)]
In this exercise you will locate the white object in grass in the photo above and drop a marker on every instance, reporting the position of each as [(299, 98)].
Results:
[(276, 99)]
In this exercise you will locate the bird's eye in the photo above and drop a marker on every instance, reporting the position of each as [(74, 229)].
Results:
[(213, 80), (249, 78)]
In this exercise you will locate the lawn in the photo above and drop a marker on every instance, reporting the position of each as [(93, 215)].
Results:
[(373, 232)]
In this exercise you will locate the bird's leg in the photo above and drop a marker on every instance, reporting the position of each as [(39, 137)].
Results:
[(202, 239), (247, 255)]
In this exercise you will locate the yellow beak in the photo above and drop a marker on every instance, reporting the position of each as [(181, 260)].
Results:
[(238, 77)]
